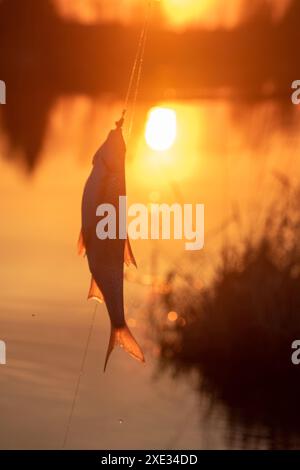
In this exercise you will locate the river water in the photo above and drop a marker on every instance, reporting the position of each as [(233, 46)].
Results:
[(231, 156)]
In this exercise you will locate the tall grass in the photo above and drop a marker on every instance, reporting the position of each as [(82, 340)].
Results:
[(236, 333)]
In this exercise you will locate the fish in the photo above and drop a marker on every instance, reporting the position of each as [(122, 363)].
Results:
[(106, 258)]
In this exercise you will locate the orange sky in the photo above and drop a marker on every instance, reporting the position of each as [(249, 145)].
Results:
[(210, 13)]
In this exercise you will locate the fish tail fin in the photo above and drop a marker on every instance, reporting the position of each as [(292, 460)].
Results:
[(123, 337)]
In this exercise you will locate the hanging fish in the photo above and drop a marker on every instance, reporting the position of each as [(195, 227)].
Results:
[(106, 258)]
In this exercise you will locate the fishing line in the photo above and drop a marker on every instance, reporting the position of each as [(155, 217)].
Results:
[(134, 67), (79, 377), (133, 87), (136, 73)]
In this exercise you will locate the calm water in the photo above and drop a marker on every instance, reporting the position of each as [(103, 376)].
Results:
[(228, 156)]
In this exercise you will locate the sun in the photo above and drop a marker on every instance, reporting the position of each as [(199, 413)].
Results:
[(161, 128)]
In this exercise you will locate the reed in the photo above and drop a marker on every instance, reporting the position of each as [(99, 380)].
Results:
[(236, 333)]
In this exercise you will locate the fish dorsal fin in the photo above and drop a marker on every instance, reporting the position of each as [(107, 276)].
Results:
[(80, 245), (95, 292), (128, 255)]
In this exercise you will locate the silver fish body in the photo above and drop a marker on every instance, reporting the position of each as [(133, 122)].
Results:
[(106, 257), (105, 184)]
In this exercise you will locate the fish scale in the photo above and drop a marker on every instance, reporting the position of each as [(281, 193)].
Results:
[(105, 185)]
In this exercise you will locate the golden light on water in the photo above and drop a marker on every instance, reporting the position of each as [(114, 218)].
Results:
[(172, 316), (178, 126), (131, 322), (161, 129)]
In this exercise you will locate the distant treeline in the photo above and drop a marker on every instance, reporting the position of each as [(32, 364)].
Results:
[(39, 48), (44, 56)]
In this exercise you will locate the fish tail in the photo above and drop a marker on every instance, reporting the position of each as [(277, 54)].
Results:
[(123, 337)]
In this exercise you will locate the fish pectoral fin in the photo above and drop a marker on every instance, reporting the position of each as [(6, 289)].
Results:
[(122, 337), (80, 245), (95, 292), (128, 255)]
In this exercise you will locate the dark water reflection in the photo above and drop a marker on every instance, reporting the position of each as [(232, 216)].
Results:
[(254, 155), (232, 153), (235, 332)]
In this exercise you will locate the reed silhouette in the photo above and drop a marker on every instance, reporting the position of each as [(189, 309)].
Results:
[(236, 333)]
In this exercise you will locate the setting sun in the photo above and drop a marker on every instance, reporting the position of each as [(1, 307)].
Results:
[(161, 129)]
